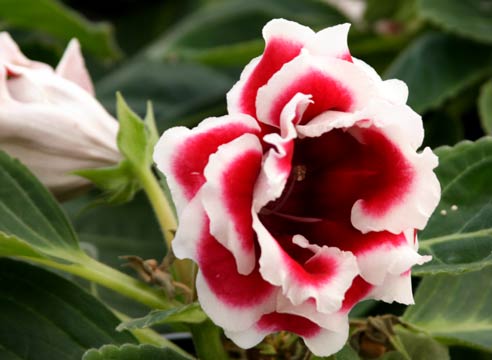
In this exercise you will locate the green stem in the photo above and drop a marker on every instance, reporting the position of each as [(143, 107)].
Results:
[(207, 340), (113, 279), (162, 209), (397, 344), (167, 220)]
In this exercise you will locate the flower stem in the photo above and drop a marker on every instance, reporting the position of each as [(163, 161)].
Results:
[(167, 220), (113, 279), (207, 340), (160, 204)]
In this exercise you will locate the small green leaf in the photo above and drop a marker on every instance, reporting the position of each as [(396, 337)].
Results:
[(437, 67), (44, 316), (485, 107), (118, 182), (30, 219), (132, 352), (456, 309), (459, 233), (469, 18), (56, 19), (189, 314)]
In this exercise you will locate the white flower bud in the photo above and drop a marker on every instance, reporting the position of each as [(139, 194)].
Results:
[(50, 120)]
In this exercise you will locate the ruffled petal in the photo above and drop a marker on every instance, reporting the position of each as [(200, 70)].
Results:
[(283, 41), (333, 84), (182, 154), (277, 162), (232, 300), (396, 188), (378, 254), (392, 90), (319, 273), (395, 288), (72, 67), (320, 341), (331, 42), (228, 197)]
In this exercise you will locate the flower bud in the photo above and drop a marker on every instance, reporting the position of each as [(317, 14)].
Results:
[(50, 119)]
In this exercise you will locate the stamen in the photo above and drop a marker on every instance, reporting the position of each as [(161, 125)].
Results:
[(299, 172)]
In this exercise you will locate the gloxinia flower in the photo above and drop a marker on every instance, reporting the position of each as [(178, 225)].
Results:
[(306, 197), (50, 120)]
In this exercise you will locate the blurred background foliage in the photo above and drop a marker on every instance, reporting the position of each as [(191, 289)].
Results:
[(185, 55)]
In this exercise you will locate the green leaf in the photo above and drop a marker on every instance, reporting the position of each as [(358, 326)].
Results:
[(44, 316), (459, 233), (132, 352), (57, 20), (399, 10), (108, 232), (189, 314), (469, 18), (230, 23), (485, 107), (418, 346), (181, 93), (30, 218), (118, 182), (437, 67), (456, 309)]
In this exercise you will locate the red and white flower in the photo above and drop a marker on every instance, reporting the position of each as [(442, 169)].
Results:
[(306, 197), (50, 119)]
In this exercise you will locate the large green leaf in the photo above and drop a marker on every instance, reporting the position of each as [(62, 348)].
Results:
[(132, 352), (44, 316), (485, 107), (470, 18), (237, 23), (180, 93), (52, 17), (459, 233), (455, 308), (30, 219), (418, 346), (437, 67)]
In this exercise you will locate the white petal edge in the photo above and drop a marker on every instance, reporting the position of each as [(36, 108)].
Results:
[(222, 226)]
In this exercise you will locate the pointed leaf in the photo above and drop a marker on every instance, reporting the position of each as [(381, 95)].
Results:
[(133, 352), (456, 309), (132, 135), (459, 233), (30, 214), (189, 314), (44, 316)]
